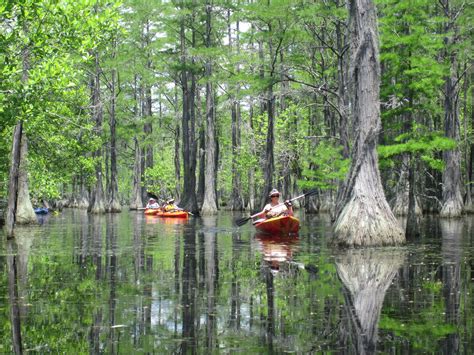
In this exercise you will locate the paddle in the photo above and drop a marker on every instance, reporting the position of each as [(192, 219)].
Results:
[(241, 221)]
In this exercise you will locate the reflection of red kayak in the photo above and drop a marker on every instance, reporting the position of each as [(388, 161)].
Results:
[(151, 211), (282, 225), (175, 214)]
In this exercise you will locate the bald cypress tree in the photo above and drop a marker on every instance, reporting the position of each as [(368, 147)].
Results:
[(363, 216)]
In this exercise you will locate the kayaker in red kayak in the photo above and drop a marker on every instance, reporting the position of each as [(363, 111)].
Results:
[(270, 211), (171, 207)]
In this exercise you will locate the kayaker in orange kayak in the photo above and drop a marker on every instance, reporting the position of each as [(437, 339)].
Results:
[(270, 210), (152, 204), (171, 207)]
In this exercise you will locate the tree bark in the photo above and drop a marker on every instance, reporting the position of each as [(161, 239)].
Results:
[(201, 153), (19, 208), (400, 206), (188, 200), (237, 203), (468, 206), (452, 197), (24, 209), (97, 204), (253, 150), (412, 229), (209, 205), (363, 216), (269, 165), (177, 162), (137, 201), (114, 202)]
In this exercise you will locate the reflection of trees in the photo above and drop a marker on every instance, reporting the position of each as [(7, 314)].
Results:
[(451, 251), (111, 269), (235, 282), (366, 275), (188, 297), (277, 251), (12, 265), (211, 277), (24, 237), (96, 224)]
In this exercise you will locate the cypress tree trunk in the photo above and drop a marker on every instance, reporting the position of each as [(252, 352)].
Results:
[(470, 159), (202, 168), (400, 206), (452, 197), (468, 207), (24, 209), (201, 153), (363, 216), (97, 204), (19, 208), (412, 230), (237, 203), (177, 162), (137, 201), (114, 202), (342, 100), (253, 149), (188, 200), (84, 195), (209, 205), (269, 165)]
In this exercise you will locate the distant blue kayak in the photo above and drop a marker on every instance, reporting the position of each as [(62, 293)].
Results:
[(41, 210)]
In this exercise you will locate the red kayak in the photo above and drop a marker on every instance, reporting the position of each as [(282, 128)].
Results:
[(279, 225), (175, 214)]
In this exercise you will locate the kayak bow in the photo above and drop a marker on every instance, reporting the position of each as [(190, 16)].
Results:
[(281, 225)]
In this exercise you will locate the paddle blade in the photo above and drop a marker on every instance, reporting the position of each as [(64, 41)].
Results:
[(241, 221), (311, 193)]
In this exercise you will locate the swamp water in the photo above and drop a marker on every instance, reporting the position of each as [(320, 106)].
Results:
[(127, 283)]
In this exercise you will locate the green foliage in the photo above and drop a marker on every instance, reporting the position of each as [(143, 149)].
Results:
[(326, 167), (419, 142), (160, 178), (45, 44)]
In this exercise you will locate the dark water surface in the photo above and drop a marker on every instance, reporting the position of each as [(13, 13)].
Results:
[(127, 283)]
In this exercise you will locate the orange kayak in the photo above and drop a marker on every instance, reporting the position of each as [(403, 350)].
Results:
[(151, 211), (176, 214), (279, 225)]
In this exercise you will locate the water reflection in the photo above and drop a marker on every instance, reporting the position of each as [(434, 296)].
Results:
[(451, 250), (366, 275), (116, 284), (188, 294), (277, 249), (13, 294)]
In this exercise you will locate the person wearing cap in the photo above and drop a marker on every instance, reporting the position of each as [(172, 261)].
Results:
[(171, 207), (152, 203), (272, 209)]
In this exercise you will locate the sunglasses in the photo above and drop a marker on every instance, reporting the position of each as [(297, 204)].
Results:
[(272, 196)]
